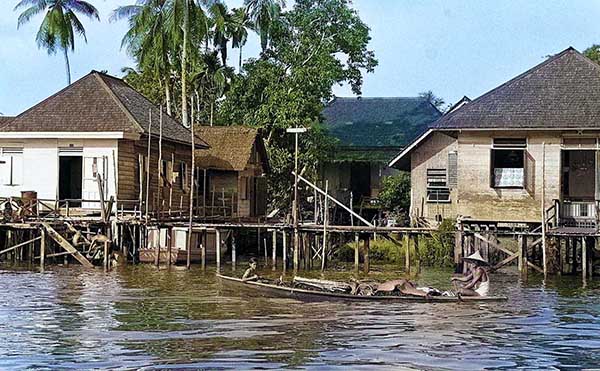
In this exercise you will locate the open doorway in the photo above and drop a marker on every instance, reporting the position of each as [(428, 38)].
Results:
[(70, 179), (578, 175)]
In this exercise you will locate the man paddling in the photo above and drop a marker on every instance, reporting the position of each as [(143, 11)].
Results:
[(250, 273), (477, 282)]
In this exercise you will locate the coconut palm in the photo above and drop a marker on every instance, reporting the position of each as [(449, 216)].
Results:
[(240, 24), (263, 13), (60, 24)]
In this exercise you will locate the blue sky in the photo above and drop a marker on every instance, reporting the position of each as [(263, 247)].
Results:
[(453, 48)]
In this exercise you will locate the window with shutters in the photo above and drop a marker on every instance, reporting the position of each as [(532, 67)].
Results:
[(11, 166), (437, 186), (508, 163), (453, 169)]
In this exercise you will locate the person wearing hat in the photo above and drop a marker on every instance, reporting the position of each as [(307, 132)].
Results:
[(477, 282), (250, 273)]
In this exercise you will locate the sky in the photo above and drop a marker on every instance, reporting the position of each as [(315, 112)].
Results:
[(452, 48)]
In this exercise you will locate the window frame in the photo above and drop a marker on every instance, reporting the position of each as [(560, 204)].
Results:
[(10, 153), (506, 146), (437, 188)]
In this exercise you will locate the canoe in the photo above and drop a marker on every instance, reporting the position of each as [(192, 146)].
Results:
[(268, 289)]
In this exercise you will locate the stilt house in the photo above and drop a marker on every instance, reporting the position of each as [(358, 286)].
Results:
[(529, 145), (90, 141), (370, 132), (231, 176)]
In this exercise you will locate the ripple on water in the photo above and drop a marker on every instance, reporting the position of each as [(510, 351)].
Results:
[(138, 317)]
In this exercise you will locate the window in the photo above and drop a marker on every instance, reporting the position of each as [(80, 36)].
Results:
[(437, 186), (11, 166), (165, 174), (508, 163)]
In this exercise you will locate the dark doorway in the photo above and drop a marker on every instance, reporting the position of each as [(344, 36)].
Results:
[(578, 175), (360, 180), (70, 179)]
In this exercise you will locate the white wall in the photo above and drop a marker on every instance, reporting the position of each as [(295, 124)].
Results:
[(40, 164)]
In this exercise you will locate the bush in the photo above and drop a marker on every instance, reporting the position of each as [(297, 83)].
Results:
[(395, 192)]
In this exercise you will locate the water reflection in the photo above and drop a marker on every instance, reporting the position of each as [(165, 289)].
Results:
[(138, 316)]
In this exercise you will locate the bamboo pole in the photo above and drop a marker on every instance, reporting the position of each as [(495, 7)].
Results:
[(159, 162), (18, 245), (191, 221), (325, 220), (203, 248), (169, 245), (367, 248), (148, 163), (171, 185)]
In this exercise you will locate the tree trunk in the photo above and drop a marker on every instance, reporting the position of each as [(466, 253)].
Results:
[(67, 65), (168, 96), (184, 116), (240, 61), (212, 104)]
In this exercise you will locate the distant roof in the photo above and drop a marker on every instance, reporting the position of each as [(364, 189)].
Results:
[(230, 147), (378, 122), (561, 92), (461, 102), (5, 119), (98, 102)]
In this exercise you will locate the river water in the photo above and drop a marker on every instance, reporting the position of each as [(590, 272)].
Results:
[(141, 317)]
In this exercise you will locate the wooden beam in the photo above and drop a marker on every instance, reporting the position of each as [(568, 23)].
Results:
[(67, 246), (506, 261), (493, 244), (535, 267), (19, 245)]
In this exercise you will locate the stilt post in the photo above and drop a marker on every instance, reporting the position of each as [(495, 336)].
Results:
[(407, 253), (218, 243), (274, 252), (42, 249)]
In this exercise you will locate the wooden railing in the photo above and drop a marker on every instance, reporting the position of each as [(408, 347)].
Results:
[(581, 214)]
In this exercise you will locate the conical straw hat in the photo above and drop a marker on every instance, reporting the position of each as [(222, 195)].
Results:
[(476, 258)]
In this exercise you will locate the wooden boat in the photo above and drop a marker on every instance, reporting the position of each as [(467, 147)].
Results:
[(313, 295)]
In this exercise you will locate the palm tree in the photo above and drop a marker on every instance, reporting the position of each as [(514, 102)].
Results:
[(263, 13), (147, 41), (240, 24), (60, 24), (221, 21)]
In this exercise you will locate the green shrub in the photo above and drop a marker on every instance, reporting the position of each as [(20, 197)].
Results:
[(437, 250)]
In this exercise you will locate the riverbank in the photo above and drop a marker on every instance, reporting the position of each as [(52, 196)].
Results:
[(137, 316)]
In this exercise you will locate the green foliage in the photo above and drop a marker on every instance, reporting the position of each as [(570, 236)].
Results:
[(59, 25), (438, 250), (395, 192), (593, 53), (315, 45)]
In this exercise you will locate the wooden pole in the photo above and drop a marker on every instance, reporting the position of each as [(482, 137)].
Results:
[(520, 252), (325, 220), (407, 253), (148, 164), (584, 262), (42, 248), (545, 262), (191, 220), (106, 258), (356, 252), (233, 251), (171, 185), (169, 245), (274, 252), (525, 258), (295, 205), (367, 248), (284, 236), (159, 161), (203, 247), (218, 243)]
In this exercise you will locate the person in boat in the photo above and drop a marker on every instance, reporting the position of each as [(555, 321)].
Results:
[(250, 273), (404, 287), (477, 281)]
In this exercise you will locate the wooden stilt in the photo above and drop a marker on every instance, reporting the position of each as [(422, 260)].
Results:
[(157, 249), (42, 248), (203, 249), (274, 251), (406, 244), (169, 246), (284, 236), (520, 250), (106, 257), (356, 253), (218, 248), (584, 262), (233, 251), (367, 248)]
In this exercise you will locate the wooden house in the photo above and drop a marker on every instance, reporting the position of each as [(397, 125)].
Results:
[(370, 132), (531, 144), (231, 176), (98, 125)]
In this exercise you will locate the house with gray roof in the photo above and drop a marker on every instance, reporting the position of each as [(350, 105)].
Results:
[(369, 133), (527, 148), (99, 125)]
